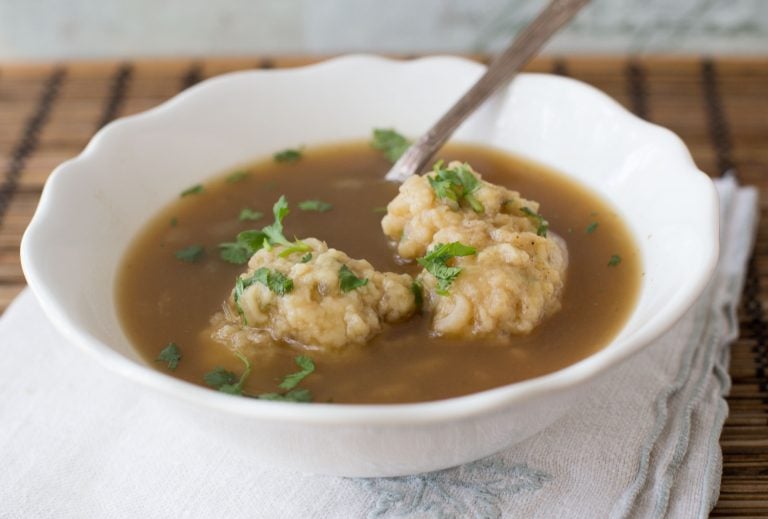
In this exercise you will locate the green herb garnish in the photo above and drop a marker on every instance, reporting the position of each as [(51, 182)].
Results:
[(348, 281), (171, 355), (300, 395), (289, 155), (274, 232), (249, 214), (235, 252), (456, 185), (276, 281), (194, 190), (390, 142), (315, 205), (306, 258), (219, 377), (614, 261), (248, 242), (174, 222), (297, 246), (592, 227), (237, 176), (292, 380), (418, 295), (542, 225), (380, 210), (436, 263), (190, 254), (224, 380)]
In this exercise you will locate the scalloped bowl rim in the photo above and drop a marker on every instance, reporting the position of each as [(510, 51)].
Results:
[(322, 413)]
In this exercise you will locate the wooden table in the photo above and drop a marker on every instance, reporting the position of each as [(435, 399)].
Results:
[(48, 112)]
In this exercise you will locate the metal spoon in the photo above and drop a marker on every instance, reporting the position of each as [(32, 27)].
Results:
[(499, 72)]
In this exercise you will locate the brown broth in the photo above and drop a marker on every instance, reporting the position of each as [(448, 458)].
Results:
[(161, 299)]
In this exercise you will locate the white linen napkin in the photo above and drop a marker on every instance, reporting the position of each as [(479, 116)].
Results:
[(77, 441)]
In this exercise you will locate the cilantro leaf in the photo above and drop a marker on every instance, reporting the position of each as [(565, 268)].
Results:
[(190, 254), (171, 355), (248, 242), (614, 261), (249, 214), (274, 232), (543, 225), (418, 295), (174, 222), (315, 205), (194, 190), (237, 176), (288, 155), (592, 227), (297, 246), (292, 380), (456, 185), (219, 377), (436, 263), (276, 281), (348, 281), (295, 395), (224, 380), (236, 253), (380, 210), (306, 258), (390, 142)]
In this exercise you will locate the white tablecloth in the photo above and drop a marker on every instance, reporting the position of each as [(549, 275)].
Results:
[(77, 441)]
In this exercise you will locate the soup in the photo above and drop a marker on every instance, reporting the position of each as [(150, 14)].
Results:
[(173, 280)]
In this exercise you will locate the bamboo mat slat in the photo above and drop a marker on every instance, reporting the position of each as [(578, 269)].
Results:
[(48, 112)]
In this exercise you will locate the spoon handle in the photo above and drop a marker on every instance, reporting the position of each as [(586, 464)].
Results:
[(499, 72)]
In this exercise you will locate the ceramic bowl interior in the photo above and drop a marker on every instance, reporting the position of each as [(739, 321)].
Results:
[(93, 205)]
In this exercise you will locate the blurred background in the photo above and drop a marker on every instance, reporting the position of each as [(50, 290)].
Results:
[(91, 29)]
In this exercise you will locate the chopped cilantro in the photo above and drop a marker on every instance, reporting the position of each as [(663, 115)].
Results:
[(292, 380), (390, 142), (454, 185), (348, 281), (592, 227), (237, 176), (274, 232), (542, 224), (219, 377), (380, 210), (289, 383), (295, 395), (306, 258), (289, 155), (234, 252), (297, 246), (194, 190), (190, 254), (171, 355), (614, 261), (315, 205), (276, 281), (248, 242), (436, 263), (224, 380), (418, 295), (249, 214), (174, 222)]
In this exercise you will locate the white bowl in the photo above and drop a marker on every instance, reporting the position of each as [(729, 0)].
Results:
[(94, 204)]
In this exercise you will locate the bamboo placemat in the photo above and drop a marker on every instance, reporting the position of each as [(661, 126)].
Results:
[(48, 113)]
